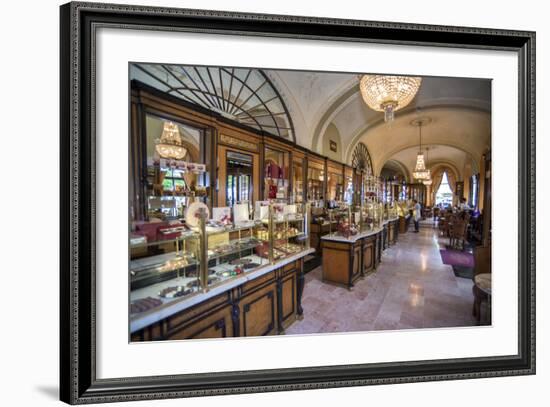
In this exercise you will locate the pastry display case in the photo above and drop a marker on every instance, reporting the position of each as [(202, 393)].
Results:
[(169, 262), (316, 181), (289, 230), (344, 222), (276, 174), (163, 270), (234, 250)]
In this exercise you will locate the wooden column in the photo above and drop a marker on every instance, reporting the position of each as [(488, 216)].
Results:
[(486, 236)]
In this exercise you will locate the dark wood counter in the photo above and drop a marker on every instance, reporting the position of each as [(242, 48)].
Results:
[(345, 260), (265, 305)]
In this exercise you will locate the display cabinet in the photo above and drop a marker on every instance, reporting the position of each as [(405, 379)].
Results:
[(335, 181), (163, 270), (315, 180), (179, 260), (290, 231), (234, 250), (276, 173), (298, 175), (348, 185)]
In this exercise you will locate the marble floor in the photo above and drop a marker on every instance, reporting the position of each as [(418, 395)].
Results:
[(412, 288)]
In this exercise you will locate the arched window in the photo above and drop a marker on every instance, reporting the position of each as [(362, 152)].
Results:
[(244, 95), (444, 195)]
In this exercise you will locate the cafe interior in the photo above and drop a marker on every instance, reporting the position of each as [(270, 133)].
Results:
[(271, 202)]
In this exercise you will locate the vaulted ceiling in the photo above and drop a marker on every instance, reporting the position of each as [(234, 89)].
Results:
[(459, 109), (316, 106)]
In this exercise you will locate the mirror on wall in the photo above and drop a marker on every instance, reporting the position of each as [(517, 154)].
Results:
[(170, 185)]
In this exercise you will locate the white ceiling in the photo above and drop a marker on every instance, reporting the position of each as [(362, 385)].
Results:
[(459, 109)]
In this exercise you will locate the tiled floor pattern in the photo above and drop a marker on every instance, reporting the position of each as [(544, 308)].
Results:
[(412, 288)]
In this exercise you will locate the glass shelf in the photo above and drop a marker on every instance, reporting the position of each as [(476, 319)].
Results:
[(187, 265)]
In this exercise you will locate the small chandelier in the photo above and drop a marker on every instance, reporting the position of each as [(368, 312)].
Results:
[(170, 145), (420, 172), (388, 94)]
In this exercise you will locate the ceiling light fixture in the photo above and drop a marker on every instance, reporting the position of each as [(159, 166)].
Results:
[(388, 94), (170, 145), (420, 172)]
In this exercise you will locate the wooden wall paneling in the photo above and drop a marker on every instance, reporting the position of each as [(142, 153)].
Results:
[(487, 175), (212, 164), (138, 162)]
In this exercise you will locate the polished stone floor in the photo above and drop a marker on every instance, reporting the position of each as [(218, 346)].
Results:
[(412, 288)]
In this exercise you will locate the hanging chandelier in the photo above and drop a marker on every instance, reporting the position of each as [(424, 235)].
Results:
[(420, 172), (388, 94), (170, 145)]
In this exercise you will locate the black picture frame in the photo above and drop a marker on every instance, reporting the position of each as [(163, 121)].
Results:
[(78, 382)]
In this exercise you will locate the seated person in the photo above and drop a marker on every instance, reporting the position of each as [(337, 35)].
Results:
[(463, 206)]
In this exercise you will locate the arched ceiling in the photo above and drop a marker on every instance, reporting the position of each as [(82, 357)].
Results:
[(308, 95), (435, 156), (458, 135), (459, 108), (315, 101)]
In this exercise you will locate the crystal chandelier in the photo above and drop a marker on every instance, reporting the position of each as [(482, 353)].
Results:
[(420, 172), (388, 94), (170, 145)]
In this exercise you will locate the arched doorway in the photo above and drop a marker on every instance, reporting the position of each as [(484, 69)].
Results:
[(444, 194)]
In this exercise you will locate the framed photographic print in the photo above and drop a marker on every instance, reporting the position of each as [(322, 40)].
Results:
[(255, 203)]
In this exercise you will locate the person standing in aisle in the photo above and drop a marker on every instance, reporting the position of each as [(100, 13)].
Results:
[(417, 213)]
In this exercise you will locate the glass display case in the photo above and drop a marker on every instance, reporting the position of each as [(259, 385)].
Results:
[(315, 184), (276, 174), (174, 261), (289, 230), (348, 186), (335, 187), (297, 180), (163, 270), (402, 208), (234, 250), (345, 222)]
